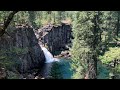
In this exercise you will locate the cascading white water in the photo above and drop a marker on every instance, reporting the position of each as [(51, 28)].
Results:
[(48, 56), (45, 72)]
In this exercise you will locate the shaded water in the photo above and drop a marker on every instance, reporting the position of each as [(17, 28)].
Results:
[(64, 65), (45, 72), (65, 69)]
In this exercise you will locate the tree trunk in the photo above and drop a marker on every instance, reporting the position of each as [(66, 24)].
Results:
[(92, 65), (118, 19), (92, 71)]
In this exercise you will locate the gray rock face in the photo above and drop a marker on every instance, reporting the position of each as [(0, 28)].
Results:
[(23, 45), (55, 37)]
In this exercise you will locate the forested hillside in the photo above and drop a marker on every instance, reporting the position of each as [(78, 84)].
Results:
[(59, 44)]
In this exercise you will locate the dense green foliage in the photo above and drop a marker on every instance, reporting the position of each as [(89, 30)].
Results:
[(86, 41), (96, 35), (109, 59), (111, 55)]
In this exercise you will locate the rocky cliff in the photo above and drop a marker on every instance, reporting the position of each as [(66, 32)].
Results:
[(22, 48), (54, 37)]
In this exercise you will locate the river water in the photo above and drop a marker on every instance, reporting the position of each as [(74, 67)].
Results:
[(45, 72), (64, 65)]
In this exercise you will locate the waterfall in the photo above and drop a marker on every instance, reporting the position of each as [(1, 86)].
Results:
[(48, 56)]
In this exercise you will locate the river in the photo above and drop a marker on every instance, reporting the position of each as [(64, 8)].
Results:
[(63, 63)]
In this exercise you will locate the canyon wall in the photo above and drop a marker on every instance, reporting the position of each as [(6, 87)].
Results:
[(55, 38), (21, 47)]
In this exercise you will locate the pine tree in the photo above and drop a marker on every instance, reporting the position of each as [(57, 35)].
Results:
[(32, 18), (85, 49)]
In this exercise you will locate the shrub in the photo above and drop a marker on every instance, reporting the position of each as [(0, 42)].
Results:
[(108, 59), (111, 55)]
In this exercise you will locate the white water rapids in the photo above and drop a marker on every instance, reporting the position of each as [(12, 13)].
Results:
[(45, 72), (48, 56)]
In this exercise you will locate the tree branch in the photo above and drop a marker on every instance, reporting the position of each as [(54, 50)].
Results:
[(7, 22)]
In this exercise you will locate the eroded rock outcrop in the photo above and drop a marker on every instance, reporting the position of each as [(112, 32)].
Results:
[(22, 47), (55, 37)]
